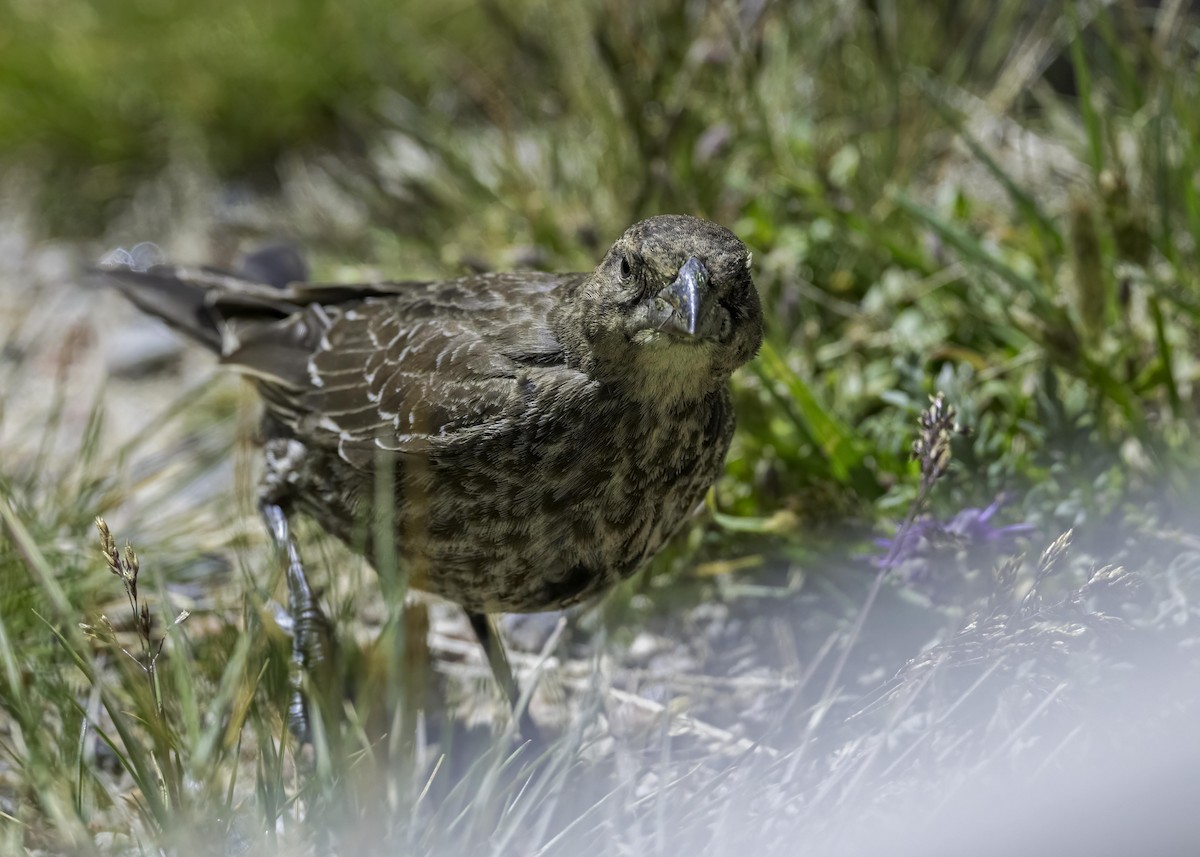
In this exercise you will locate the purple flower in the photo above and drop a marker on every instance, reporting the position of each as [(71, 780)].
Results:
[(926, 537)]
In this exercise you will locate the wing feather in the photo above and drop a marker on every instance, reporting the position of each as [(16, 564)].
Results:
[(403, 366), (409, 371)]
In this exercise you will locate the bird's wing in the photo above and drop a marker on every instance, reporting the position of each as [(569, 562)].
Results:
[(408, 372)]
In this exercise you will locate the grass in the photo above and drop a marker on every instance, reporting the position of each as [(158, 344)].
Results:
[(981, 200)]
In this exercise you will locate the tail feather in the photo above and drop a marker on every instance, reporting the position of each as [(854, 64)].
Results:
[(184, 305), (258, 329), (266, 330), (199, 302)]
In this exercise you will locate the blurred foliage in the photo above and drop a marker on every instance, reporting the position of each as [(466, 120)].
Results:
[(99, 95)]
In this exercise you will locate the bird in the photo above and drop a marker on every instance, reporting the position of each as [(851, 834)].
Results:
[(544, 434)]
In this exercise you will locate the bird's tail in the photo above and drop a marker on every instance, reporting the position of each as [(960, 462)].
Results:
[(202, 302), (181, 303)]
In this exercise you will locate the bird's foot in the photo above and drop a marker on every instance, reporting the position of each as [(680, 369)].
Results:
[(314, 646)]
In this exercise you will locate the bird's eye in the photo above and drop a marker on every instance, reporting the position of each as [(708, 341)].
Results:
[(626, 268)]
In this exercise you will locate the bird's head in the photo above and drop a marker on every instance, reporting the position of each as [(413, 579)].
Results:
[(671, 311)]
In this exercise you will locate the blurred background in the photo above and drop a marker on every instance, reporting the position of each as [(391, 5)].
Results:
[(992, 199)]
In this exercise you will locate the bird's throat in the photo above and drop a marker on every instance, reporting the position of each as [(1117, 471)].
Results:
[(671, 373)]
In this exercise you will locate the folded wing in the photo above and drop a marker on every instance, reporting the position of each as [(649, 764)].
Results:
[(404, 367)]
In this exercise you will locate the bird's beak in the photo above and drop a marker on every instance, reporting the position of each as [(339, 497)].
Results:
[(687, 297)]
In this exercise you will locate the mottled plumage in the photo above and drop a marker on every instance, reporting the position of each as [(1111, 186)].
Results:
[(548, 432)]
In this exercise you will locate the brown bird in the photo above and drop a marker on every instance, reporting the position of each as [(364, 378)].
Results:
[(545, 434)]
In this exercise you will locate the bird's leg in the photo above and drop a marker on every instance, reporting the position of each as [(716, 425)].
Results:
[(489, 638), (313, 643)]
